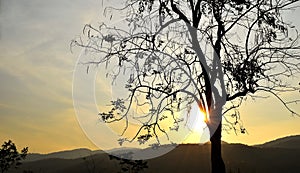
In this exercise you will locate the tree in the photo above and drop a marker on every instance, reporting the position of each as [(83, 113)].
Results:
[(130, 166), (164, 51), (9, 156)]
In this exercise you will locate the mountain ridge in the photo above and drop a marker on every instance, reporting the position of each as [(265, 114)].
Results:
[(188, 158), (288, 142), (65, 154)]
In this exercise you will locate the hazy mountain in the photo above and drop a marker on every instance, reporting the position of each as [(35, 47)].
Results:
[(291, 142), (187, 158), (68, 154)]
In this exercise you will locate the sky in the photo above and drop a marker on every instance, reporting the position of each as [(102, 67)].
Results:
[(36, 73)]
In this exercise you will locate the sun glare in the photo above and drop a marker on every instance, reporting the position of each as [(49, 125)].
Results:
[(203, 116), (197, 125), (200, 121)]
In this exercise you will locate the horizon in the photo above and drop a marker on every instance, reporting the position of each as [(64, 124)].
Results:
[(188, 158), (36, 72), (182, 144)]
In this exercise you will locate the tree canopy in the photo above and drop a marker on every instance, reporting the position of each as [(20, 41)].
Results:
[(171, 53)]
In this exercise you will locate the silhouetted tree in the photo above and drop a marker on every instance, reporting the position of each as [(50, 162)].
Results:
[(10, 157), (158, 49), (130, 166)]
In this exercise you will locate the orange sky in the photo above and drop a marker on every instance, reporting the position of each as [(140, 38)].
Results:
[(36, 72)]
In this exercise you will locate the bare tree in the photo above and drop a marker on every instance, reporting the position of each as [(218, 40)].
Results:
[(164, 51)]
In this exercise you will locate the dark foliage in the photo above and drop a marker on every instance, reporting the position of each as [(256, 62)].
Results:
[(130, 166), (10, 157)]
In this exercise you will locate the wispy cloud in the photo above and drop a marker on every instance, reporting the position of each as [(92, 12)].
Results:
[(36, 69), (36, 72)]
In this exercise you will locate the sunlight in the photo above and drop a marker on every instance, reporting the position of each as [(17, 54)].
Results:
[(200, 120), (204, 115), (197, 125)]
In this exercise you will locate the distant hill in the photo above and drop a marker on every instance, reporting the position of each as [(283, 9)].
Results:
[(185, 158), (292, 142), (68, 154)]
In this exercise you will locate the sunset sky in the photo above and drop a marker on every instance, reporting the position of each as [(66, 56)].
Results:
[(36, 72)]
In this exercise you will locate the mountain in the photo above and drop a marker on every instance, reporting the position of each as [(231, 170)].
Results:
[(68, 154), (291, 142), (187, 158)]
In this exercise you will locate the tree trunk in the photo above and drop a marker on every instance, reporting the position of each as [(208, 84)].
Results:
[(217, 164)]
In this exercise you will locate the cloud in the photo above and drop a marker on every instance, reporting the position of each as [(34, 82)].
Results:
[(36, 69), (34, 44)]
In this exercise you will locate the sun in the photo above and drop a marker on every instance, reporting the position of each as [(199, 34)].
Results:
[(197, 125), (200, 121), (203, 116)]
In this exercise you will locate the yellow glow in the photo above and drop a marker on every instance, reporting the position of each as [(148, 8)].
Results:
[(200, 122), (204, 116), (198, 126)]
